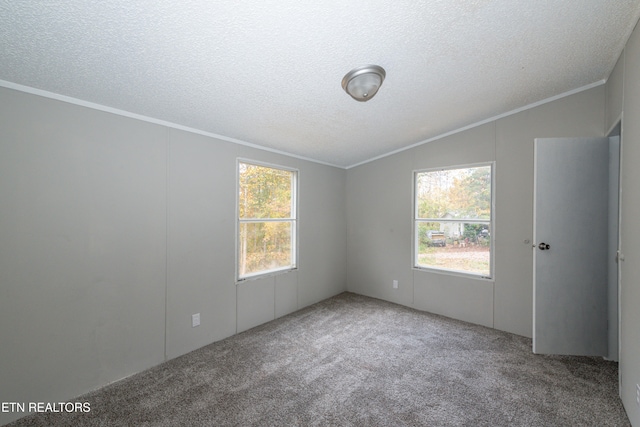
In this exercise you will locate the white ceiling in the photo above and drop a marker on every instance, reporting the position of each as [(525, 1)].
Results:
[(268, 72)]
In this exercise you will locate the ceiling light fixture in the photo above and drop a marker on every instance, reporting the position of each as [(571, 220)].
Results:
[(362, 83)]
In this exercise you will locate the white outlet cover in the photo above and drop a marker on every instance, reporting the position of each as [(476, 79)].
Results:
[(195, 320)]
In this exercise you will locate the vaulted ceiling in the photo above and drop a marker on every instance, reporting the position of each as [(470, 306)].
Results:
[(269, 72)]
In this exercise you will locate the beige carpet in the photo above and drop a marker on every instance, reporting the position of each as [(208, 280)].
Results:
[(358, 361)]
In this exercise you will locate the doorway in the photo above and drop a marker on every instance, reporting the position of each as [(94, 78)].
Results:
[(576, 234), (614, 243)]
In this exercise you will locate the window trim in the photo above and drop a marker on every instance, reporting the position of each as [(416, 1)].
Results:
[(293, 218), (414, 221)]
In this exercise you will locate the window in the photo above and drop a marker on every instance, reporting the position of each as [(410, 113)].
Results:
[(266, 219), (453, 219)]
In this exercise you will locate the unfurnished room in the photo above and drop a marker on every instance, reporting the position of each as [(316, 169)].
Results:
[(281, 213)]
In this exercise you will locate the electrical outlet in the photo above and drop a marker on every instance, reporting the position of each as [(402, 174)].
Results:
[(195, 320), (638, 394), (395, 284)]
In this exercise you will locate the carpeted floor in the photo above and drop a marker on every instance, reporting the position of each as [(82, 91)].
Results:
[(358, 361)]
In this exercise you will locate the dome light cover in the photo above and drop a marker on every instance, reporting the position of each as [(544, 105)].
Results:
[(362, 83)]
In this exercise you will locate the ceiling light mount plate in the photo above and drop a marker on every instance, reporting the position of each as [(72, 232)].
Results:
[(362, 83)]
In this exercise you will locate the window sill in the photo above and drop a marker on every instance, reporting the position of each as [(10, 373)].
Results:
[(454, 273), (264, 274)]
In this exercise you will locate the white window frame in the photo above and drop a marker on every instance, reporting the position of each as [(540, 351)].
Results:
[(293, 219), (416, 220)]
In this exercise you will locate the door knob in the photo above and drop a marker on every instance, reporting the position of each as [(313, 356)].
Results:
[(544, 246)]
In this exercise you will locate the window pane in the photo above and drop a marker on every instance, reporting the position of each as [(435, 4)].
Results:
[(454, 246), (265, 192), (454, 193), (265, 246)]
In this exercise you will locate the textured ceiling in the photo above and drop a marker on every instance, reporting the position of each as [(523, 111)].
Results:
[(268, 72)]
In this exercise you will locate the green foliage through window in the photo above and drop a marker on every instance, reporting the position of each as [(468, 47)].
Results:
[(459, 193), (267, 219)]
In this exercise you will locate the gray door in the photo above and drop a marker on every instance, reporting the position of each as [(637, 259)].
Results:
[(571, 179)]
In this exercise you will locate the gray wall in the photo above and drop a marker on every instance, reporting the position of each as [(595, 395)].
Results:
[(379, 212), (623, 96), (114, 231), (614, 94)]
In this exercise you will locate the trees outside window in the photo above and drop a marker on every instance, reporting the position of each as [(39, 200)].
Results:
[(453, 219), (266, 219)]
